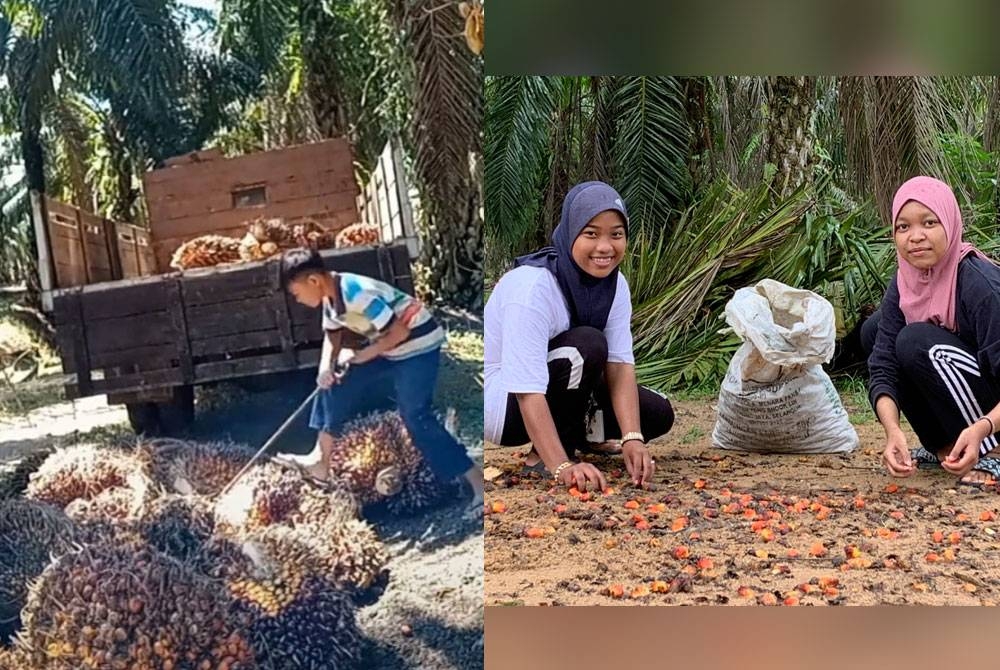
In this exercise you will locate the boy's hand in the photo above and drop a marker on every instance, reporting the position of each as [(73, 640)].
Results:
[(326, 379)]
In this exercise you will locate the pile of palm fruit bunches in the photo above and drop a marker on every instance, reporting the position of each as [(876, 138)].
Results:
[(266, 238), (131, 556)]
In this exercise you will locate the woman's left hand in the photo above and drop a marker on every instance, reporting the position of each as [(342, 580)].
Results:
[(965, 454), (638, 462)]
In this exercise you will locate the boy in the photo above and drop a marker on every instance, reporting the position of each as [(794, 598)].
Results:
[(405, 344)]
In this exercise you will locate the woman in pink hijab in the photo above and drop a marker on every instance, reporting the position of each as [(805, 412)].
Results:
[(935, 343)]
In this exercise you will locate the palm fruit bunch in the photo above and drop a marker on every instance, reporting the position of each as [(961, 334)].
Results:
[(308, 233), (14, 659), (13, 482), (84, 471), (315, 631), (206, 251), (357, 235), (316, 531), (265, 238), (179, 526), (269, 494), (30, 532), (297, 620), (195, 467), (346, 553), (378, 444), (127, 606)]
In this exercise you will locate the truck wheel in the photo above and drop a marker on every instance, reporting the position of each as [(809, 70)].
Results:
[(144, 417), (177, 413)]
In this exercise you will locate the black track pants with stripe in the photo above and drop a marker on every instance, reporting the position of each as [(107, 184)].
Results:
[(941, 388), (576, 362)]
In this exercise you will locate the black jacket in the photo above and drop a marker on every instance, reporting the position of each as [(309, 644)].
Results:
[(977, 313)]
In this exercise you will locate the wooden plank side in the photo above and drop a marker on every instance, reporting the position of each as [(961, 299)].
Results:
[(77, 333), (207, 321), (233, 344), (325, 204), (126, 300), (155, 356), (279, 305), (403, 274), (253, 165), (137, 382), (242, 367), (308, 332), (179, 323), (69, 275), (200, 199), (138, 330), (241, 284)]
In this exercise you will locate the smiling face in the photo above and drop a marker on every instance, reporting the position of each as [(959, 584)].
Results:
[(600, 247), (920, 236)]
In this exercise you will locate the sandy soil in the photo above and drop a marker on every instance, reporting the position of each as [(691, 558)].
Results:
[(722, 527)]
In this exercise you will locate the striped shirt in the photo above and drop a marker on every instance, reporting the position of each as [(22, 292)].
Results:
[(371, 306)]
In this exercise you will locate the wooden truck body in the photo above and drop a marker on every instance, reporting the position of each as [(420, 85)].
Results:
[(130, 327)]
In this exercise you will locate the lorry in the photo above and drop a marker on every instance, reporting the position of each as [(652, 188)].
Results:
[(131, 327)]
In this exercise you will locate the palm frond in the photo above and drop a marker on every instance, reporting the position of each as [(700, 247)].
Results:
[(518, 121), (447, 93), (651, 144)]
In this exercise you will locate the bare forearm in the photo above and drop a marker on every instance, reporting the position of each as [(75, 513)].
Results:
[(331, 349), (624, 393), (541, 429), (395, 336), (888, 414)]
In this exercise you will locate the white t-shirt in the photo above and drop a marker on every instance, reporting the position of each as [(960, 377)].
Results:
[(525, 311)]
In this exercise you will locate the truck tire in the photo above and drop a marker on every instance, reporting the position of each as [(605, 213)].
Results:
[(144, 417), (177, 414)]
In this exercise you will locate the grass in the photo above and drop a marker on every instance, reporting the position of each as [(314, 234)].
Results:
[(699, 392), (854, 390), (460, 382), (40, 390), (693, 435)]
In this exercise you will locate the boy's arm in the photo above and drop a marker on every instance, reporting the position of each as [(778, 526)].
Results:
[(396, 330), (331, 349), (395, 334)]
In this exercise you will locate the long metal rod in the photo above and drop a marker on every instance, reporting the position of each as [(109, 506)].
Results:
[(267, 445)]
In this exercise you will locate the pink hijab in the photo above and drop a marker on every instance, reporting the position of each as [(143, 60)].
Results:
[(929, 295)]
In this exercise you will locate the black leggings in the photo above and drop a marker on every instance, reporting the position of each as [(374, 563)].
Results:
[(941, 389), (577, 359)]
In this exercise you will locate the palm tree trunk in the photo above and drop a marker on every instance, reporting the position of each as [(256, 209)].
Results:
[(790, 131), (34, 169)]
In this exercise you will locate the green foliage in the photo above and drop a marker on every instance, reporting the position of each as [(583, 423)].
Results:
[(688, 252)]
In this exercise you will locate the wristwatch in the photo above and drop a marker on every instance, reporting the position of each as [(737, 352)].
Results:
[(628, 437)]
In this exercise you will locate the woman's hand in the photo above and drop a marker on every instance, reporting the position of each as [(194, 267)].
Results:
[(638, 462), (965, 454), (897, 456), (583, 476)]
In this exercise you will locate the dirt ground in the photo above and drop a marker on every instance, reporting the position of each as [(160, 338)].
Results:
[(723, 527), (431, 615)]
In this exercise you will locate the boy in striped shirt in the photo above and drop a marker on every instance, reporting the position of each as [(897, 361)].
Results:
[(404, 344)]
